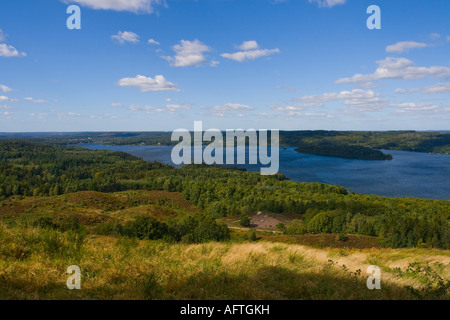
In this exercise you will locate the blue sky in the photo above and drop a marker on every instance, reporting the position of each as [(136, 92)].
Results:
[(147, 65)]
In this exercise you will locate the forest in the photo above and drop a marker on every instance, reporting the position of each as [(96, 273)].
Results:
[(30, 169), (364, 145)]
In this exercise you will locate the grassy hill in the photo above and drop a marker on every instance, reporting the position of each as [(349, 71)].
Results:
[(34, 257)]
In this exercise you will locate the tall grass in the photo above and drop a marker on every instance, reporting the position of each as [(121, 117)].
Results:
[(33, 262)]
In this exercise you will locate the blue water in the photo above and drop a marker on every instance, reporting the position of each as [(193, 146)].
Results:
[(410, 174)]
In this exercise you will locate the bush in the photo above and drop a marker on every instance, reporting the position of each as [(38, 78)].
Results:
[(146, 228), (296, 226), (342, 237), (244, 221), (198, 229), (280, 226), (321, 223), (109, 228)]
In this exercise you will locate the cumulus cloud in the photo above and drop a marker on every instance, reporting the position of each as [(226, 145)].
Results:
[(153, 41), (405, 46), (188, 54), (354, 98), (295, 107), (69, 115), (125, 36), (103, 116), (214, 63), (397, 68), (298, 110), (39, 115), (328, 3), (169, 108), (228, 109), (250, 51), (414, 108), (249, 55), (146, 84), (435, 36), (6, 99), (249, 45), (137, 6), (35, 100), (9, 51), (437, 88), (5, 88)]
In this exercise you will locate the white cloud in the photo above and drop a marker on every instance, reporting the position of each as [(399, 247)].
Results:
[(249, 45), (153, 41), (437, 88), (250, 51), (170, 108), (227, 109), (137, 6), (398, 68), (188, 54), (412, 107), (146, 84), (5, 88), (6, 113), (405, 46), (116, 104), (354, 98), (328, 3), (39, 115), (5, 98), (69, 115), (125, 36), (5, 107), (435, 36), (103, 116), (214, 63), (295, 107), (35, 100), (9, 51)]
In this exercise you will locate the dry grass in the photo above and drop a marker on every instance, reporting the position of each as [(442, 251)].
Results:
[(129, 269)]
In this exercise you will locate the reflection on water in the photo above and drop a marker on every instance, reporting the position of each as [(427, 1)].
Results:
[(410, 174)]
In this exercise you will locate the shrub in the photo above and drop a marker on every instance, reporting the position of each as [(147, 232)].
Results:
[(244, 221), (321, 223), (146, 228), (109, 228), (198, 229), (280, 226), (296, 226)]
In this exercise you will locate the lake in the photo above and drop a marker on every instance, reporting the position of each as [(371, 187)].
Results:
[(409, 174)]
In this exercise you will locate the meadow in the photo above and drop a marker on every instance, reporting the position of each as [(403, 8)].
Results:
[(34, 256)]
